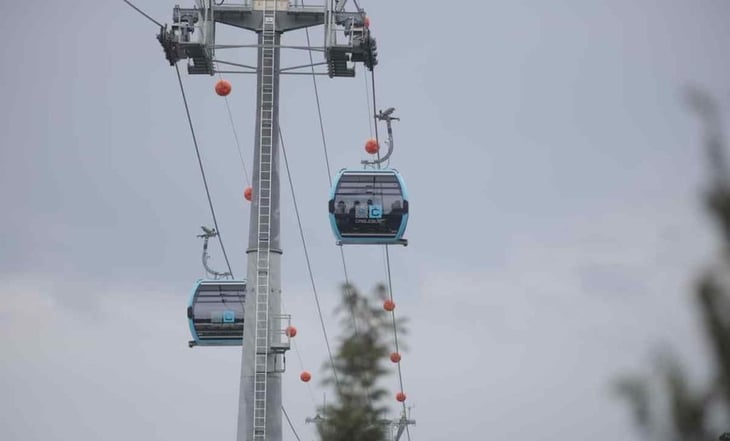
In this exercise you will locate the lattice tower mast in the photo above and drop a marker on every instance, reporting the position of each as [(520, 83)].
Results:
[(192, 37)]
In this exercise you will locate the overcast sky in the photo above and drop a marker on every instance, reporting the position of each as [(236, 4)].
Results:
[(556, 227)]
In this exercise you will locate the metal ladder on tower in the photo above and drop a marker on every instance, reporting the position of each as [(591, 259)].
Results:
[(266, 138)]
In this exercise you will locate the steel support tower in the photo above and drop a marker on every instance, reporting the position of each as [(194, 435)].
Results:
[(192, 37)]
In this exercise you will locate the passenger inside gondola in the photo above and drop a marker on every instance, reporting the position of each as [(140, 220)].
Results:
[(341, 216), (361, 212), (395, 216)]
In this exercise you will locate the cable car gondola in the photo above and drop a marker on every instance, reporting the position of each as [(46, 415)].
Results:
[(369, 207), (215, 312)]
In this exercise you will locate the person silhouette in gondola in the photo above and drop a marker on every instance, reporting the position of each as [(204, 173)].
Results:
[(360, 210), (395, 216), (341, 214), (353, 209)]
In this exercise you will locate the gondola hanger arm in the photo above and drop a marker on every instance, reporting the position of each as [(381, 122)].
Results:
[(387, 116), (207, 234)]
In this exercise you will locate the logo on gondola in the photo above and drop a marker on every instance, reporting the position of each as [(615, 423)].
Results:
[(229, 316), (375, 212)]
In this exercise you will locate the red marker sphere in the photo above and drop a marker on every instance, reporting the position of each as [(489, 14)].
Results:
[(395, 357), (248, 193), (372, 146), (400, 396), (388, 305), (223, 87), (305, 376), (291, 331)]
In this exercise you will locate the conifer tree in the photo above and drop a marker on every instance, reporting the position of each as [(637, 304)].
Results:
[(696, 413), (360, 361)]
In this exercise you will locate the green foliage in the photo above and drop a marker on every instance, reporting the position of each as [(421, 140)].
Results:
[(359, 363), (688, 409)]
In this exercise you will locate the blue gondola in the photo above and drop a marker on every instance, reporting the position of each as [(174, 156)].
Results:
[(369, 207), (215, 312)]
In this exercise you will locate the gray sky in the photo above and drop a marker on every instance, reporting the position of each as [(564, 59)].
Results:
[(556, 228)]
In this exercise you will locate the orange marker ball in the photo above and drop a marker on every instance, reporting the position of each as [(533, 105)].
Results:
[(305, 376), (389, 305), (372, 146), (223, 87), (248, 193), (395, 357), (290, 331), (400, 396)]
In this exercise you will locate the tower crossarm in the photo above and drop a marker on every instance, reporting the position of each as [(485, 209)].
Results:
[(288, 16)]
